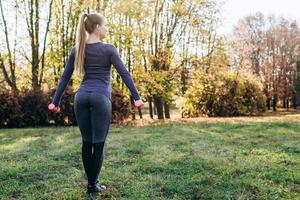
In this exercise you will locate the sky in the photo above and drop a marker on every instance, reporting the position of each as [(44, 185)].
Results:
[(233, 10)]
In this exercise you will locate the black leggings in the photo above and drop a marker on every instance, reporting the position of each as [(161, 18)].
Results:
[(92, 157)]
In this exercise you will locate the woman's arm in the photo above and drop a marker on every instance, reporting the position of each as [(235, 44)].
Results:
[(65, 78), (124, 73)]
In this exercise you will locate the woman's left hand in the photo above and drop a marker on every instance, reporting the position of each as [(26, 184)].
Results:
[(53, 108), (139, 104)]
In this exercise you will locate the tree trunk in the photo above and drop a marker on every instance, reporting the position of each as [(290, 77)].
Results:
[(284, 102), (159, 106), (183, 81), (167, 110), (150, 106), (140, 113), (268, 103), (154, 106), (275, 99), (295, 101), (132, 105)]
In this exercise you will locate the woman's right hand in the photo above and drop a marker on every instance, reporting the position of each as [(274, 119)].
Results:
[(53, 108), (139, 104)]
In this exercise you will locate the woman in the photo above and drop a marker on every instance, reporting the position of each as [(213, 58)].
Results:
[(92, 101)]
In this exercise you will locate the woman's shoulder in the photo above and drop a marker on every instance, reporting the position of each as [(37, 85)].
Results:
[(72, 50), (109, 45), (111, 48)]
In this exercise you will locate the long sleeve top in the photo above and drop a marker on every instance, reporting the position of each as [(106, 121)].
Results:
[(97, 63)]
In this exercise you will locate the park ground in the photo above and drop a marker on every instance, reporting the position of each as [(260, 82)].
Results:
[(200, 158)]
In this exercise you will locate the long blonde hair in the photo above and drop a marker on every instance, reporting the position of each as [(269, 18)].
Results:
[(87, 23)]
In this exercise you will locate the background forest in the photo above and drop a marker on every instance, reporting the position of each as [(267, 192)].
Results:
[(182, 65)]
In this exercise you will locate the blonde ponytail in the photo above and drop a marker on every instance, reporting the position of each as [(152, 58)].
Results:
[(87, 23), (80, 44)]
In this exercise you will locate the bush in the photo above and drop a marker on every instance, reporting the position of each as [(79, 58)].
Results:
[(223, 93), (31, 108), (121, 106), (10, 110), (66, 116)]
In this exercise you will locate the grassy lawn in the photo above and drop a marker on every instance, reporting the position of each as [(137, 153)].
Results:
[(221, 160)]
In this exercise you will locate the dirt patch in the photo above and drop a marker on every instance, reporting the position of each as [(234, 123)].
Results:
[(269, 116)]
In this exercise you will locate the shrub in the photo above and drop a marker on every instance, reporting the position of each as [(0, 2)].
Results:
[(33, 107), (10, 110), (223, 93), (66, 116), (121, 106)]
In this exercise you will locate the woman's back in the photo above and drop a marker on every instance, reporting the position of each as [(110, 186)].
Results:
[(97, 77), (97, 66)]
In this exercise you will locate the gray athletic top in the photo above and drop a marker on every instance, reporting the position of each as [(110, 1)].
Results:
[(98, 59)]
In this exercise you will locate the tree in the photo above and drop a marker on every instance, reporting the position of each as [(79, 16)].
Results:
[(37, 60), (10, 57), (270, 48)]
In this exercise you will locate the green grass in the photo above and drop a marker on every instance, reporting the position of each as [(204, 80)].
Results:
[(172, 161)]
